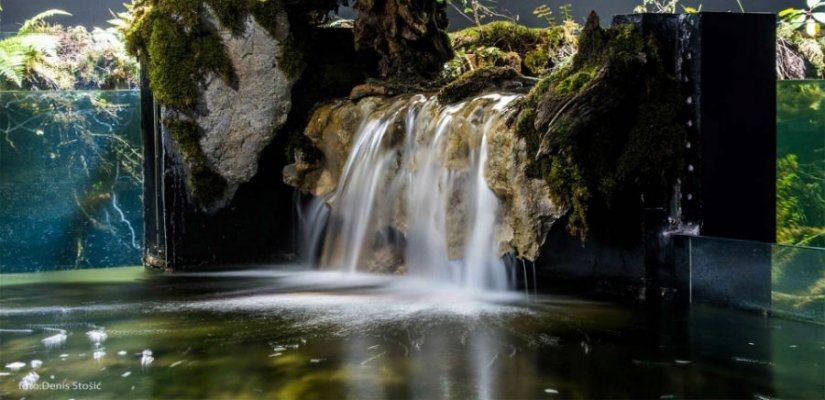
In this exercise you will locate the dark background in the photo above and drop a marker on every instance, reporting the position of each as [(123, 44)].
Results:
[(93, 13)]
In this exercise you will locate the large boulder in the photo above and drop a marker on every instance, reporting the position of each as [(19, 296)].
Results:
[(239, 119)]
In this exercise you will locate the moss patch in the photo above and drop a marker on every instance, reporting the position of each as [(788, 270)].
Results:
[(475, 82), (499, 43), (606, 128), (206, 185), (291, 59)]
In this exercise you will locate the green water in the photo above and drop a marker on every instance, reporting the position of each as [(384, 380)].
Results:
[(289, 334)]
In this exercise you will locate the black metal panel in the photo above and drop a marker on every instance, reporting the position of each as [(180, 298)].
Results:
[(726, 63), (153, 209), (729, 62)]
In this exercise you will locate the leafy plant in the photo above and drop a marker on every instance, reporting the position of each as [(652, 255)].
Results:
[(810, 19), (28, 49), (546, 13), (657, 6), (477, 11)]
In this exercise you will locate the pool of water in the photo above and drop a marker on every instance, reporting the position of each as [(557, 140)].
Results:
[(285, 333)]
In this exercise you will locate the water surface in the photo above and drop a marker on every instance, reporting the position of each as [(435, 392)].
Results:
[(284, 333)]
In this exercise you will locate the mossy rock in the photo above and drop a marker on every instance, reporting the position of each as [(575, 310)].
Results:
[(476, 82), (606, 127), (179, 45), (505, 35), (495, 43)]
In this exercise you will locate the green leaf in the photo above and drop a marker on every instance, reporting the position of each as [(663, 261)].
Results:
[(788, 11)]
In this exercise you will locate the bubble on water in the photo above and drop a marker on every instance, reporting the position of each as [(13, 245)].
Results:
[(176, 363), (5, 373), (551, 391), (146, 358), (276, 355), (29, 380), (98, 355), (126, 374), (15, 366), (36, 364), (122, 353), (683, 362), (97, 336), (54, 340), (279, 348), (317, 360), (64, 355)]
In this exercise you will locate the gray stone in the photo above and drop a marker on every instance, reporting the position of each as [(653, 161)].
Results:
[(239, 122)]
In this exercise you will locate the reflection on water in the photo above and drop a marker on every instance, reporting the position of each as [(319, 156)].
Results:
[(292, 334)]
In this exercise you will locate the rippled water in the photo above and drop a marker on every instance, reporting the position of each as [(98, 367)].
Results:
[(285, 333)]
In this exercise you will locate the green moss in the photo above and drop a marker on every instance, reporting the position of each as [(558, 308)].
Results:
[(607, 144), (577, 81), (504, 35), (171, 69), (538, 61), (206, 185), (571, 189), (291, 59), (210, 54), (495, 44), (475, 82), (187, 11), (230, 13), (265, 13)]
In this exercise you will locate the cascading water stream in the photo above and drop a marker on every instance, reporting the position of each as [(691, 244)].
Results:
[(413, 197)]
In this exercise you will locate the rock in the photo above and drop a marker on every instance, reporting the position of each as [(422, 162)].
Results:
[(527, 210), (236, 123)]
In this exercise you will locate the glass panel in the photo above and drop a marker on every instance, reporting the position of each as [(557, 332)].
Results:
[(785, 280), (70, 180), (801, 163)]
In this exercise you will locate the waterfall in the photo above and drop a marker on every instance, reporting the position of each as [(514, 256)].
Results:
[(412, 197)]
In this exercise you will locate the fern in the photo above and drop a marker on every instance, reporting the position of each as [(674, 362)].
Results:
[(544, 12), (566, 11), (27, 50), (30, 24)]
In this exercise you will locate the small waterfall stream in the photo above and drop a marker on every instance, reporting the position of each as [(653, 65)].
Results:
[(412, 197)]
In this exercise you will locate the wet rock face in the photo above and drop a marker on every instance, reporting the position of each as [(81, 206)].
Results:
[(236, 123), (526, 212)]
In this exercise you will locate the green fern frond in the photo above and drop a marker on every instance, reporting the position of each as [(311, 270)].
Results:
[(30, 24)]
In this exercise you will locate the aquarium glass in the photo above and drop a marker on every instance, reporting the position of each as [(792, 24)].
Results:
[(70, 180), (801, 163), (780, 279)]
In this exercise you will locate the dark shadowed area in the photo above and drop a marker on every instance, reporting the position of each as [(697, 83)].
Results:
[(91, 13)]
